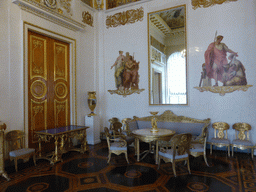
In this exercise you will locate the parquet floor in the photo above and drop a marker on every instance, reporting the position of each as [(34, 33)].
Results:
[(90, 172)]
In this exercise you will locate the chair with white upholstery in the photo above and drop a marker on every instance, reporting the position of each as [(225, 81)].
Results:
[(242, 140), (15, 140), (116, 146), (198, 147), (177, 151), (220, 138)]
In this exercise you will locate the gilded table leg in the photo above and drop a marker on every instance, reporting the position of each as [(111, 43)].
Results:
[(138, 148), (156, 151), (55, 157), (40, 146), (84, 146)]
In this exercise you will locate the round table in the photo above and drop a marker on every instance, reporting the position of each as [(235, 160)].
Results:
[(147, 136)]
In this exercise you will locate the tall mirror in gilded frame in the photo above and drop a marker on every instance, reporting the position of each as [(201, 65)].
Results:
[(167, 47)]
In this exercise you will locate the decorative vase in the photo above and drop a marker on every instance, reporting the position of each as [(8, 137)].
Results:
[(92, 102), (154, 128)]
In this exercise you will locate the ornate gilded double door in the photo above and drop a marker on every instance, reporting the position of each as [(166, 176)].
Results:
[(48, 84)]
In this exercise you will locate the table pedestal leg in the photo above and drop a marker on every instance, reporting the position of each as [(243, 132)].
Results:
[(156, 151), (55, 158), (138, 148), (83, 141)]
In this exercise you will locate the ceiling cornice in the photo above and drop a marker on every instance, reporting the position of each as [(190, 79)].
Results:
[(49, 14)]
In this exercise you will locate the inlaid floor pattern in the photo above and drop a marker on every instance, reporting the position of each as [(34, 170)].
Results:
[(90, 172)]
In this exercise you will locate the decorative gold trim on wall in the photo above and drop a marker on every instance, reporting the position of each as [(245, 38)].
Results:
[(222, 90), (125, 92), (126, 17), (207, 3), (87, 18)]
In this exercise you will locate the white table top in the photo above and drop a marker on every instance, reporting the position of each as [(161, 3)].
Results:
[(148, 133)]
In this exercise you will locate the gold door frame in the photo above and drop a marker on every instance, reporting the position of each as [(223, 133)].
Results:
[(72, 42)]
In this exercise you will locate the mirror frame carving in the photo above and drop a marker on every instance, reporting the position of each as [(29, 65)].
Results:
[(149, 54)]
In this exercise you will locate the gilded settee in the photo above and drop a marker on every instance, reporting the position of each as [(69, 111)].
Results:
[(168, 120)]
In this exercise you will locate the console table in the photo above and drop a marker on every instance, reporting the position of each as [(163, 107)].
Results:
[(62, 141), (147, 136)]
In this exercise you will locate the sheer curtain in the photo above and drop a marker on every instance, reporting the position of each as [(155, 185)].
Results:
[(176, 78)]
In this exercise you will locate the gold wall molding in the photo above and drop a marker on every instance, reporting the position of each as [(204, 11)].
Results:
[(125, 92), (125, 17), (222, 90), (87, 18), (58, 15), (207, 3)]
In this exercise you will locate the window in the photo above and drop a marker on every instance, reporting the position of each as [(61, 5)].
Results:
[(176, 78)]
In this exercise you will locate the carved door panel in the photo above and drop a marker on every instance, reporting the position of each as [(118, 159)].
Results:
[(48, 84)]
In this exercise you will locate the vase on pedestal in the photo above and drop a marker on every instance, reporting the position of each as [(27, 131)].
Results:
[(92, 102)]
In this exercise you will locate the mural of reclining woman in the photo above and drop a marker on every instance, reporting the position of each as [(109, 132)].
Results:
[(234, 72)]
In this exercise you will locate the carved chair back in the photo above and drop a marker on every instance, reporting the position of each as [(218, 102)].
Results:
[(112, 121), (181, 144), (117, 130), (15, 140), (242, 131), (220, 130)]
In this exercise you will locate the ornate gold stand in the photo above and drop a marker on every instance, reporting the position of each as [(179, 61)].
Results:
[(154, 128)]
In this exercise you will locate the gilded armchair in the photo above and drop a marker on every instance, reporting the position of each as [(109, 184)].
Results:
[(220, 138), (15, 140), (242, 140), (116, 146), (178, 150)]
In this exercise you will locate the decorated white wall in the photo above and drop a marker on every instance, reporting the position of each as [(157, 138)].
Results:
[(97, 49), (234, 20)]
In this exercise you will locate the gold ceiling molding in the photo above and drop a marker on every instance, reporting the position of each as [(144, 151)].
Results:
[(87, 18), (126, 17), (58, 12), (207, 3), (222, 90)]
